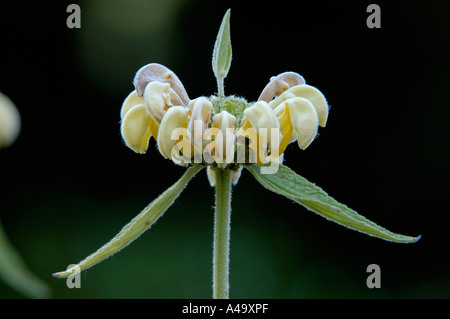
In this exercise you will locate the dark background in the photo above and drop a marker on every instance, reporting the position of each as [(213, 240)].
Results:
[(69, 183)]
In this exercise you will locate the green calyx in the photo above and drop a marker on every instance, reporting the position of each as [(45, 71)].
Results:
[(232, 104)]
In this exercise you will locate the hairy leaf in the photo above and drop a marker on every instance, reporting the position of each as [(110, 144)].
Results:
[(291, 185), (137, 226)]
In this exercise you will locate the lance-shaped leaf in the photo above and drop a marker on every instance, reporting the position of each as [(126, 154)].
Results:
[(221, 60), (137, 226), (287, 183)]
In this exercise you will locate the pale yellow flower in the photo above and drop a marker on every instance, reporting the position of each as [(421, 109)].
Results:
[(220, 131), (156, 90)]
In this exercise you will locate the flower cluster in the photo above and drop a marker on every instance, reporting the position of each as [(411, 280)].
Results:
[(227, 132)]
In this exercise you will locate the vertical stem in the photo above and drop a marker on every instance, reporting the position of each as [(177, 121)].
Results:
[(221, 253), (220, 86)]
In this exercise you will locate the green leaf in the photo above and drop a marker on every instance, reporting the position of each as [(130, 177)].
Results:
[(14, 271), (287, 183), (221, 60), (137, 226)]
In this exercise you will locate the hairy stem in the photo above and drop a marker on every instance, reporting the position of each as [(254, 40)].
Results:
[(220, 86), (221, 256)]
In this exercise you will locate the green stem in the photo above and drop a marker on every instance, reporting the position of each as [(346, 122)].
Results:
[(220, 86), (221, 256)]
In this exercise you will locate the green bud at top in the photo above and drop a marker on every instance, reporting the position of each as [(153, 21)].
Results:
[(221, 60)]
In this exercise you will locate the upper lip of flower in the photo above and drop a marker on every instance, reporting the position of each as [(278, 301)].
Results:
[(160, 104), (157, 72)]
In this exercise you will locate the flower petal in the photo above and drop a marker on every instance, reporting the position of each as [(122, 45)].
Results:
[(200, 111), (224, 121), (131, 100), (286, 128), (280, 83), (310, 93), (211, 174), (263, 119), (135, 128), (260, 115), (175, 118), (158, 97), (304, 120), (157, 72)]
